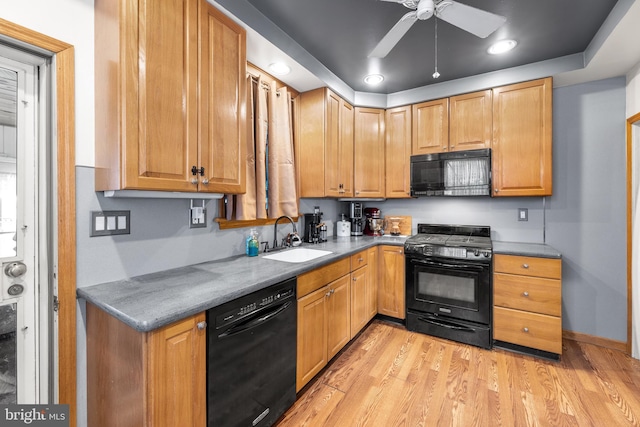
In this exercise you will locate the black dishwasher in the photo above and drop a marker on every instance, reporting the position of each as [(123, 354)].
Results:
[(251, 357)]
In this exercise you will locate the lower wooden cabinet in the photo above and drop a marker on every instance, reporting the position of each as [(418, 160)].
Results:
[(324, 322), (527, 298), (364, 290), (391, 281), (151, 379)]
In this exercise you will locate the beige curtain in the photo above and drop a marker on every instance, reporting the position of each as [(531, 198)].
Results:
[(282, 183), (269, 126)]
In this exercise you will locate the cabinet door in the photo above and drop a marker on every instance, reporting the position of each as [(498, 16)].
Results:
[(222, 113), (332, 145), (310, 143), (430, 127), (397, 152), (391, 285), (177, 386), (312, 336), (345, 159), (372, 283), (522, 139), (359, 300), (338, 315), (369, 153), (470, 121)]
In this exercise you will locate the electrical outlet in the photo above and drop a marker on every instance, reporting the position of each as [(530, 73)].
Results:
[(523, 214), (197, 216)]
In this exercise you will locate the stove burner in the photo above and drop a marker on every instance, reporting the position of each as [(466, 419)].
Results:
[(451, 241)]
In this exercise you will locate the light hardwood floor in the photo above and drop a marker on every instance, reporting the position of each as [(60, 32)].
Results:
[(389, 376)]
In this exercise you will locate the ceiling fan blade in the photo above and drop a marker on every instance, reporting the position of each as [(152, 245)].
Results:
[(475, 21), (394, 35)]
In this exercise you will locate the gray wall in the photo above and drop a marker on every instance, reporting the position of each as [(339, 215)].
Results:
[(586, 219)]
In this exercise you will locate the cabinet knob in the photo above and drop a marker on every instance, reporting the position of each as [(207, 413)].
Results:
[(525, 265), (452, 146), (525, 329), (194, 181), (354, 279), (357, 192), (332, 291), (328, 294), (205, 181), (202, 325), (495, 191), (525, 293)]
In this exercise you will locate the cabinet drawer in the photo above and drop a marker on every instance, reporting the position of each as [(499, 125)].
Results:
[(358, 260), (315, 279), (528, 329), (534, 294), (528, 266)]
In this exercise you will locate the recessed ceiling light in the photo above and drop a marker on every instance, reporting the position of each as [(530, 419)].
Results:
[(373, 79), (279, 68), (502, 46)]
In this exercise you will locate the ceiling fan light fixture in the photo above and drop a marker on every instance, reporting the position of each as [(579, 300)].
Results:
[(279, 68), (502, 46), (374, 79)]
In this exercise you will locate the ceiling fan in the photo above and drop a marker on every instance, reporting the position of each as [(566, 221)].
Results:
[(475, 21)]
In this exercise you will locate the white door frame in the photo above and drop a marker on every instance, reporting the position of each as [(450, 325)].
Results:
[(633, 236)]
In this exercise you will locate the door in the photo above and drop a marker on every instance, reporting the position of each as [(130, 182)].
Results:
[(19, 373)]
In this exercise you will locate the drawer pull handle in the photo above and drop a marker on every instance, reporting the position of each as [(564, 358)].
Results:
[(525, 330), (360, 259), (525, 293), (525, 265)]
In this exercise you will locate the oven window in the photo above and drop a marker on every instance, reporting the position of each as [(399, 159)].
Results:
[(455, 290)]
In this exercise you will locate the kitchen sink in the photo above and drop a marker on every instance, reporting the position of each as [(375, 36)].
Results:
[(297, 255)]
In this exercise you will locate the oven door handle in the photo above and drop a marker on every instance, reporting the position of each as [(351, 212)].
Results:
[(445, 324), (252, 322), (447, 265)]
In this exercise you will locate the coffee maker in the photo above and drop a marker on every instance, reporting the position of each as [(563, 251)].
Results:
[(356, 218), (373, 222), (312, 227)]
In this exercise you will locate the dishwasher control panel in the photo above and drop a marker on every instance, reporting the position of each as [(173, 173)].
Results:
[(251, 304)]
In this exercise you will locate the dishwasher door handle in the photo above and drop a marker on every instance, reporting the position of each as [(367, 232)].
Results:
[(253, 322)]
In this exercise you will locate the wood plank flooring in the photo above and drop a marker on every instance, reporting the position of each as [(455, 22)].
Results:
[(389, 376)]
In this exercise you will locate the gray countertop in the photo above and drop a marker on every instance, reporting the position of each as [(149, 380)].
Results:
[(154, 300), (525, 249)]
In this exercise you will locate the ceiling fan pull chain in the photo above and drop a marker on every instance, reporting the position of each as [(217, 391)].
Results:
[(436, 74)]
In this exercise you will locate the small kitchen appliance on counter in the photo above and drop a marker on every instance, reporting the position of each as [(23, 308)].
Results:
[(356, 219), (449, 283), (313, 227), (373, 225), (343, 227)]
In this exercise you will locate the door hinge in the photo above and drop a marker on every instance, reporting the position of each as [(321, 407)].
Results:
[(56, 303)]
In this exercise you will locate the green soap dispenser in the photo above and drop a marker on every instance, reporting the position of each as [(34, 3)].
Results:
[(252, 243)]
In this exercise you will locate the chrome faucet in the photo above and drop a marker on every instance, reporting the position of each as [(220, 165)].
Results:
[(293, 236)]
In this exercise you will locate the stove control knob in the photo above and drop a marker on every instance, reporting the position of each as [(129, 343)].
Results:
[(487, 254), (476, 252)]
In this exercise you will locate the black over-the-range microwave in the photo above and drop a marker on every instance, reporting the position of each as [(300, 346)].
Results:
[(458, 173)]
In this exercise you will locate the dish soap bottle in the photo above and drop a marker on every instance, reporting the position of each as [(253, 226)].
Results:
[(252, 243)]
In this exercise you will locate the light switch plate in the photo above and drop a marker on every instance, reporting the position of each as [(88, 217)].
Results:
[(523, 214), (109, 223)]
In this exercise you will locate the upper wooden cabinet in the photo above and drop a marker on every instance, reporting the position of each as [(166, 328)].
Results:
[(522, 139), (398, 152), (153, 126), (223, 102), (369, 153), (325, 144), (430, 127), (470, 121)]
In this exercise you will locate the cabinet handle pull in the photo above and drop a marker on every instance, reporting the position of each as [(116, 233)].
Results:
[(202, 325), (360, 259), (525, 265), (525, 293), (525, 329)]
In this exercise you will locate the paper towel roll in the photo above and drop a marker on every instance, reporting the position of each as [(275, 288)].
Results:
[(344, 228)]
